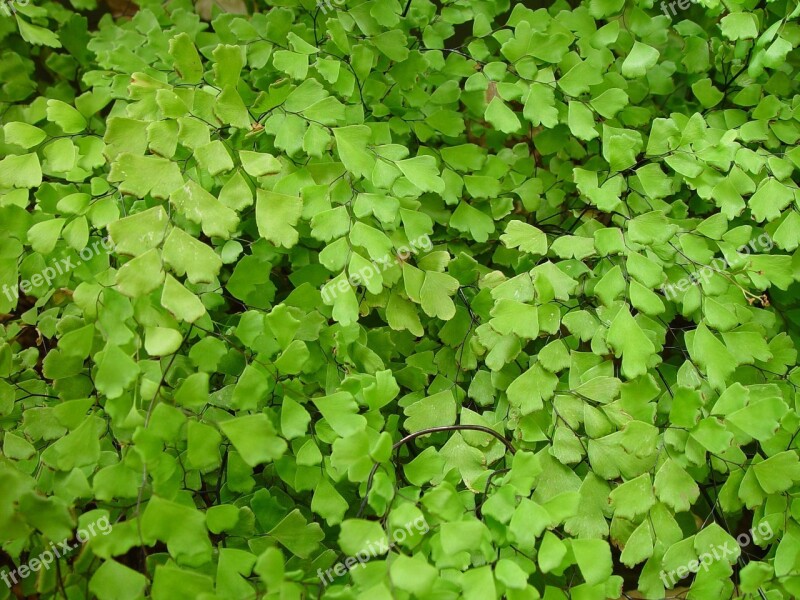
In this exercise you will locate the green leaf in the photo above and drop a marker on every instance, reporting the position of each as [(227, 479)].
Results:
[(501, 116), (713, 356), (340, 410), (187, 61), (65, 116), (778, 473), (138, 233), (230, 108), (114, 581), (739, 26), (254, 438), (468, 219), (214, 158), (298, 536), (39, 36), (633, 498), (188, 256), (628, 340), (181, 302), (276, 215), (640, 59), (257, 164), (141, 275), (23, 134), (552, 553), (227, 64), (528, 391), (433, 411), (414, 575), (360, 535), (201, 207), (594, 559), (769, 200), (351, 144), (292, 63), (182, 528), (162, 341), (423, 173), (581, 121), (143, 175), (116, 371), (525, 237), (435, 295), (22, 171), (80, 447), (203, 443), (610, 102), (639, 546), (510, 316), (675, 487)]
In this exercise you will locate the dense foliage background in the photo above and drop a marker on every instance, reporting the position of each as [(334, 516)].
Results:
[(245, 254)]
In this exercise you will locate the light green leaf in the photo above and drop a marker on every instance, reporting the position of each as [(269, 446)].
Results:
[(276, 216)]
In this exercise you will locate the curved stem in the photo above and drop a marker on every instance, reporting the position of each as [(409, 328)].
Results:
[(412, 436)]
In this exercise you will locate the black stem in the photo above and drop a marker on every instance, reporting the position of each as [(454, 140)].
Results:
[(412, 436)]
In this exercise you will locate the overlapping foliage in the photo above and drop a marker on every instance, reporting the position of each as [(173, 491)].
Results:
[(196, 385)]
